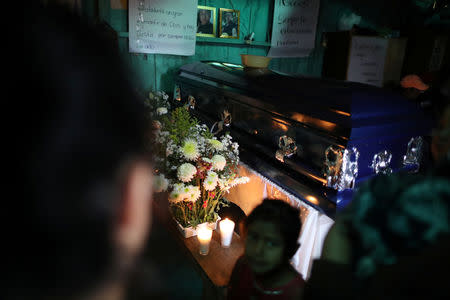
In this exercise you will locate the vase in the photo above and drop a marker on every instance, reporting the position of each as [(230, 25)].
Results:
[(190, 231)]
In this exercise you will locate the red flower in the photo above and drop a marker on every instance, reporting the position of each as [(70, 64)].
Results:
[(200, 174), (205, 203), (211, 194)]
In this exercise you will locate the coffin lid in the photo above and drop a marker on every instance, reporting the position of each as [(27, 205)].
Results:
[(319, 112), (323, 103)]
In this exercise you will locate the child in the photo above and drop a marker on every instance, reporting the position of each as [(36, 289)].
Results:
[(264, 271)]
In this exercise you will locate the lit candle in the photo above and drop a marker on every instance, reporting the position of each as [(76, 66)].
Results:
[(204, 235), (226, 232)]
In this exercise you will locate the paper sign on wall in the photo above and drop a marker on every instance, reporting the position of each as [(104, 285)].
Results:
[(162, 26), (294, 28), (367, 58)]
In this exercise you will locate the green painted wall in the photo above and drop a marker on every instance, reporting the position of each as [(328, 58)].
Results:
[(155, 71)]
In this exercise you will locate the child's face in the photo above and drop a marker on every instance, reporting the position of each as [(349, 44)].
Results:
[(264, 247)]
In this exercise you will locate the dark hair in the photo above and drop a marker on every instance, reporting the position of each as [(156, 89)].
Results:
[(208, 12), (282, 214), (394, 216), (85, 123)]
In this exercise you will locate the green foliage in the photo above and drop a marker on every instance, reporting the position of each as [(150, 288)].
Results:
[(195, 213), (179, 124), (197, 167)]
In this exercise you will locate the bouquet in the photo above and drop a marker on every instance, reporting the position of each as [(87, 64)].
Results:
[(157, 104), (195, 167)]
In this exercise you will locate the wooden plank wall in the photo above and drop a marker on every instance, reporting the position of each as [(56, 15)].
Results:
[(155, 71)]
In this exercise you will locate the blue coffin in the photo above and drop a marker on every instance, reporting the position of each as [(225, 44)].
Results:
[(316, 138)]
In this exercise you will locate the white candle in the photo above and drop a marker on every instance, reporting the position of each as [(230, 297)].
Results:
[(204, 235), (226, 232)]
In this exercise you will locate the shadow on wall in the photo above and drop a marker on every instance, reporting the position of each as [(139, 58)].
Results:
[(166, 80)]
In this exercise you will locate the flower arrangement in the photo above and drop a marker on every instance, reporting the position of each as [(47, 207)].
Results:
[(194, 167), (157, 103)]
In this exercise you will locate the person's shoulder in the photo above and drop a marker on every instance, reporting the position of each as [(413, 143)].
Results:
[(240, 280), (240, 267), (294, 289), (241, 263), (297, 278)]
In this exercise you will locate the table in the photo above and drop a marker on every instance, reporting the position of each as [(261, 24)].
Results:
[(215, 268), (219, 262)]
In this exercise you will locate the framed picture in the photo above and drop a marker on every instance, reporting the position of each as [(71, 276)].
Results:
[(229, 23), (206, 21)]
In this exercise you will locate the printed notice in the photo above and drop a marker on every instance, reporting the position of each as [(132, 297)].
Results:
[(294, 28), (162, 26), (367, 57)]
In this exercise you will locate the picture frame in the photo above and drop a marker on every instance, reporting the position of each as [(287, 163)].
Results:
[(206, 21), (229, 23)]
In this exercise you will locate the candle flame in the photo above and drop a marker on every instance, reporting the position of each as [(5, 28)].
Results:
[(204, 233)]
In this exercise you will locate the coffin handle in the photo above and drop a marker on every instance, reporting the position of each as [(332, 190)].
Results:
[(287, 147), (225, 121), (190, 102)]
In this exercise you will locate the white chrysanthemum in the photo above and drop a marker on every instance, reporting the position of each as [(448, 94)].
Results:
[(210, 181), (177, 193), (192, 193), (160, 183), (218, 162), (174, 197), (151, 95), (223, 183), (186, 172), (190, 149), (212, 175), (209, 184), (215, 144), (161, 110)]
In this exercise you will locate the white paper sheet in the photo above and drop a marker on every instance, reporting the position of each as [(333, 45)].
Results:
[(294, 28), (367, 58), (162, 26)]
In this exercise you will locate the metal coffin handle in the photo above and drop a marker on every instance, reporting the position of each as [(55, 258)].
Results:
[(225, 121), (414, 151), (190, 104), (381, 162), (287, 147), (341, 167)]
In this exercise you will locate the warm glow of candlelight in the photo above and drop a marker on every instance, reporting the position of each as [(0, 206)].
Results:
[(226, 232), (312, 199), (204, 235)]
